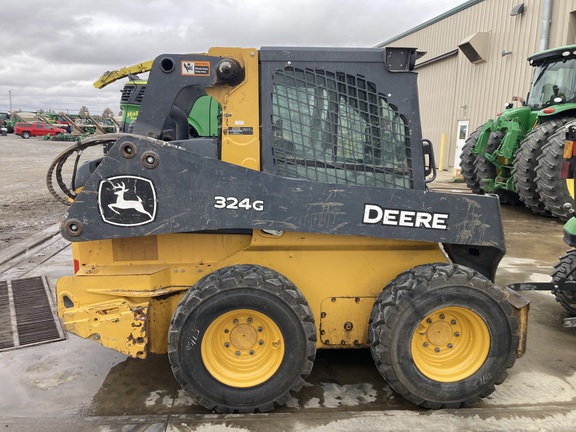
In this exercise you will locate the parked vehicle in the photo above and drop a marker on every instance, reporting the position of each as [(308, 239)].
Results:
[(304, 224), (6, 122), (518, 155), (26, 130)]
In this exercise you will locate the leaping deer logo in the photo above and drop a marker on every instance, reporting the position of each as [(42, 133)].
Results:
[(124, 204)]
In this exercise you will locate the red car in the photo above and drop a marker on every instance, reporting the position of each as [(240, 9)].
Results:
[(26, 130)]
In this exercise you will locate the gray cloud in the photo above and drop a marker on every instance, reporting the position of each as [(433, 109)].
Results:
[(52, 54)]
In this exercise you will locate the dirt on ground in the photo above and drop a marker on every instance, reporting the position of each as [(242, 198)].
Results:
[(26, 205)]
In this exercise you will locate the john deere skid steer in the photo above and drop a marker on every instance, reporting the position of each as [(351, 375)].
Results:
[(305, 224)]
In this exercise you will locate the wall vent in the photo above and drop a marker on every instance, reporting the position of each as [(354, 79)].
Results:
[(476, 47)]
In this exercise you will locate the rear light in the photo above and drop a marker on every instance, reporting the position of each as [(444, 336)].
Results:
[(566, 171), (76, 266), (568, 149)]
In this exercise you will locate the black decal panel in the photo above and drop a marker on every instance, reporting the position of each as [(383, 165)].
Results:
[(127, 201), (188, 192)]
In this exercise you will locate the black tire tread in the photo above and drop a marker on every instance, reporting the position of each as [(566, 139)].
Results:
[(229, 278), (468, 163), (561, 270), (551, 187), (525, 163), (402, 291)]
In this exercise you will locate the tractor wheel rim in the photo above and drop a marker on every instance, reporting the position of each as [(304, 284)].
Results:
[(242, 348), (450, 344)]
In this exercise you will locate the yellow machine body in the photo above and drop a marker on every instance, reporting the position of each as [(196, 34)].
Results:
[(125, 291)]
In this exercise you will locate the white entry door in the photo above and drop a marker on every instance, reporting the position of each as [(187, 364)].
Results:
[(461, 137)]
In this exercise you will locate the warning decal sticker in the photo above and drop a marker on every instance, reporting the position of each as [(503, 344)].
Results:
[(191, 68), (241, 130)]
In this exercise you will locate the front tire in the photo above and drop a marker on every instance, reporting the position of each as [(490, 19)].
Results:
[(25, 135), (468, 163), (242, 340), (562, 270), (443, 335)]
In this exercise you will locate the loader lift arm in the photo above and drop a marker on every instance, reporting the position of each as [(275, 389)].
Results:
[(109, 77)]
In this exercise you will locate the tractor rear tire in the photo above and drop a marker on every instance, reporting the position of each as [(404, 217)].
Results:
[(525, 163), (443, 335), (486, 170), (468, 163), (562, 270), (552, 188), (242, 340)]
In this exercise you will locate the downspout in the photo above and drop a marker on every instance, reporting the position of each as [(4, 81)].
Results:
[(546, 21)]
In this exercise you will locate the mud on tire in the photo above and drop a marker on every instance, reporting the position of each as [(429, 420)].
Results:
[(242, 340), (443, 335)]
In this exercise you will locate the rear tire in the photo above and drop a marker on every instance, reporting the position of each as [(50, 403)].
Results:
[(25, 135), (525, 163), (241, 340), (552, 188), (443, 335), (468, 163), (561, 270)]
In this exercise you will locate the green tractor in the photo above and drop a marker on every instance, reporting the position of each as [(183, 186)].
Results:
[(518, 156), (7, 122)]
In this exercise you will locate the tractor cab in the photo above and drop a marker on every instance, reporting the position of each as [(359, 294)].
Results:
[(554, 80)]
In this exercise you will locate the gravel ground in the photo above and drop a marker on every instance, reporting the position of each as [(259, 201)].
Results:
[(26, 206)]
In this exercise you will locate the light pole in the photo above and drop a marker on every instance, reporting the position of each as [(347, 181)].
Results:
[(10, 99)]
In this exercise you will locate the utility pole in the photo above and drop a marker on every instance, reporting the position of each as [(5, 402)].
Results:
[(10, 98)]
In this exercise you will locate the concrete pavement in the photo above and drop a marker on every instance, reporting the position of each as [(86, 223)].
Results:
[(79, 385)]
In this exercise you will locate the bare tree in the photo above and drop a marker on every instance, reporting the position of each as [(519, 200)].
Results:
[(108, 113), (84, 113)]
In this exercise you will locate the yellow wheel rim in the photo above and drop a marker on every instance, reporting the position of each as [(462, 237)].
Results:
[(450, 344), (242, 348)]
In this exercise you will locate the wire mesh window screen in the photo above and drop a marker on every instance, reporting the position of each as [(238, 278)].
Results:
[(336, 128)]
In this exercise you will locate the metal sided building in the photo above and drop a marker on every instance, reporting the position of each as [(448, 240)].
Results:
[(476, 60)]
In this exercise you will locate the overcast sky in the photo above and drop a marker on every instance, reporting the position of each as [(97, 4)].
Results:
[(51, 53)]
